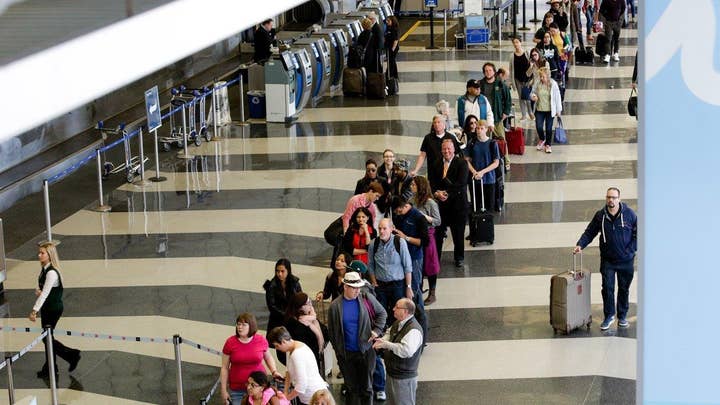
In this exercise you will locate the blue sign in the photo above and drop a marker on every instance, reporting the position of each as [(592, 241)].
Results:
[(431, 3), (678, 305), (152, 108), (477, 36)]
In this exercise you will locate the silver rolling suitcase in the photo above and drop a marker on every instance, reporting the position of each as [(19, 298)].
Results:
[(570, 299)]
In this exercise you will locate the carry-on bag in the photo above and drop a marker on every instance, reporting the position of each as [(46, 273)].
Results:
[(376, 86), (482, 223), (354, 81), (632, 106), (560, 133), (570, 299), (392, 86), (515, 140)]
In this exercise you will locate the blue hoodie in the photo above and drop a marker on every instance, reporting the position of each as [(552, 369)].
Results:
[(618, 237)]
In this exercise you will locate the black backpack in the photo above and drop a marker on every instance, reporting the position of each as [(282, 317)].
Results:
[(356, 56)]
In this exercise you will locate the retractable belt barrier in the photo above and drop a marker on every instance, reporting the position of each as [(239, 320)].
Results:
[(90, 156), (176, 340), (25, 349)]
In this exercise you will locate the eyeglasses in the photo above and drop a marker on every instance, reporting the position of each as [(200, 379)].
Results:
[(610, 197), (371, 170), (405, 308)]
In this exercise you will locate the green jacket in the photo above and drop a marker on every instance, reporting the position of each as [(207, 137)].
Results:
[(503, 104)]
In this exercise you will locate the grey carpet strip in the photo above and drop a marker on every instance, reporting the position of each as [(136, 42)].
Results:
[(402, 100), (119, 374), (306, 250), (462, 76), (223, 305), (329, 200), (152, 380)]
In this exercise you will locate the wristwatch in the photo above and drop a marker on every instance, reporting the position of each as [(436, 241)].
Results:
[(409, 286), (407, 238)]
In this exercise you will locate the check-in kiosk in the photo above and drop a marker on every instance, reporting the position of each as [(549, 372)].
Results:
[(319, 53), (280, 86), (351, 27), (387, 10), (303, 78), (338, 53)]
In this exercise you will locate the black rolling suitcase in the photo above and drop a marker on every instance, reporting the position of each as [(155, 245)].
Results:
[(482, 224)]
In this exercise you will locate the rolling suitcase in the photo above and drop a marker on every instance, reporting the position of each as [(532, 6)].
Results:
[(354, 81), (482, 224), (376, 86), (515, 140), (570, 299)]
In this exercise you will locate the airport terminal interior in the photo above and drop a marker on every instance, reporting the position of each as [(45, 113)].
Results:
[(185, 256)]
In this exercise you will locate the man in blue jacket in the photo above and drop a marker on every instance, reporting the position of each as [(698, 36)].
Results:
[(617, 225)]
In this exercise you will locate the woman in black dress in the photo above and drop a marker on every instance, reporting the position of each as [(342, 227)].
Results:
[(49, 304), (392, 44)]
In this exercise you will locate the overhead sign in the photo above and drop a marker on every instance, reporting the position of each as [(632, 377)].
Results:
[(431, 3), (152, 108)]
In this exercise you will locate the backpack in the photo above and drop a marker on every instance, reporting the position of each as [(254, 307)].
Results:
[(356, 56), (396, 242)]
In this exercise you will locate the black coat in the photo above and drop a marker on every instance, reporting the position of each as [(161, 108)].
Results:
[(455, 183), (277, 299), (263, 41)]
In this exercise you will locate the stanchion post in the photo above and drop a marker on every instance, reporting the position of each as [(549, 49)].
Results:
[(158, 178), (524, 12), (444, 28), (214, 110), (242, 98), (514, 14), (11, 384), (177, 341), (185, 154), (48, 224), (432, 29), (51, 364), (142, 181), (535, 19), (102, 207)]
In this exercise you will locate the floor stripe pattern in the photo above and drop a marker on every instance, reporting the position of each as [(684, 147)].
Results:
[(187, 255)]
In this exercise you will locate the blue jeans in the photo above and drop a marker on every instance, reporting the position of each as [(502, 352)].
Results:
[(387, 295), (589, 15), (420, 315), (378, 382), (236, 397), (543, 125), (625, 274)]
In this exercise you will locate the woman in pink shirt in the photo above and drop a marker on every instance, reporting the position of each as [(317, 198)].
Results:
[(243, 354), (366, 200)]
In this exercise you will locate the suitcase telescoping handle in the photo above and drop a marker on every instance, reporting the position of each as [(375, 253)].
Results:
[(575, 268), (482, 194)]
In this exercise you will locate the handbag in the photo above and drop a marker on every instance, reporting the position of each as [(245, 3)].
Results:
[(333, 231), (525, 92), (632, 106), (560, 133)]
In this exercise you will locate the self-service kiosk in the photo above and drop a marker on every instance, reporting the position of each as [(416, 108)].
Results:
[(319, 53), (303, 78), (351, 27), (280, 76), (338, 53)]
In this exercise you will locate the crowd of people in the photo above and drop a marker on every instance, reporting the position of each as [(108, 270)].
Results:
[(395, 225)]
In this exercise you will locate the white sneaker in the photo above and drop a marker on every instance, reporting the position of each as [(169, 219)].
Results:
[(616, 57), (540, 145), (606, 58)]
